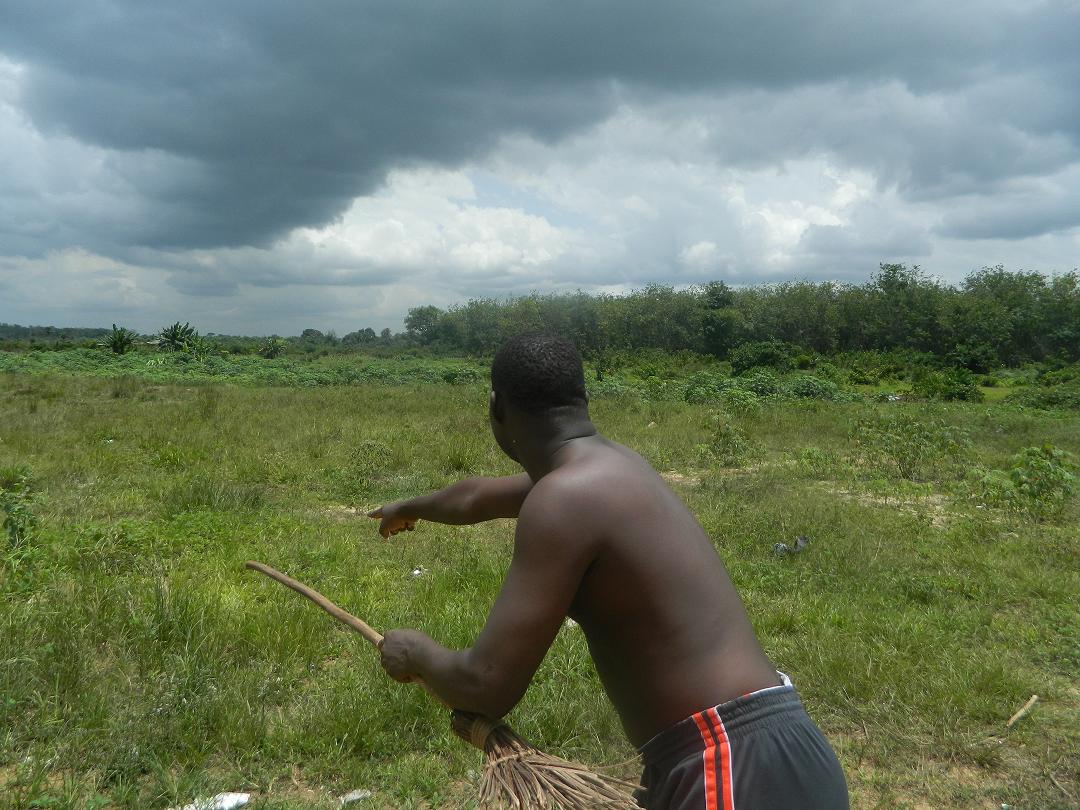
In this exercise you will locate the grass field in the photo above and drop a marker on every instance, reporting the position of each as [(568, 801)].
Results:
[(141, 666)]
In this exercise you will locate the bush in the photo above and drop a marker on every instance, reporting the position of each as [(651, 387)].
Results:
[(827, 371), (1061, 397), (949, 384), (1039, 483), (762, 382), (462, 375), (808, 386), (16, 497), (912, 447), (272, 347), (1061, 375), (704, 388), (870, 368), (729, 444), (740, 401), (774, 354), (978, 357)]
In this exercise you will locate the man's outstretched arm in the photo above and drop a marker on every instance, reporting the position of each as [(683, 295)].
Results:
[(472, 500), (491, 676)]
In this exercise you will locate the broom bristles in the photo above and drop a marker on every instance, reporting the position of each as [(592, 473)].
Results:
[(521, 777)]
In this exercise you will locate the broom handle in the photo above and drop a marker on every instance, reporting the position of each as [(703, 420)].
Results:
[(360, 626), (343, 616)]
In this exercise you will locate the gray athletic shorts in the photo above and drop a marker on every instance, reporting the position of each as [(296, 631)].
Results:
[(758, 751)]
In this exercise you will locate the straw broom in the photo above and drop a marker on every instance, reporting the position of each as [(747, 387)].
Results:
[(516, 774)]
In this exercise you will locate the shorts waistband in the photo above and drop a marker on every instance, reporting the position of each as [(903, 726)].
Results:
[(735, 717)]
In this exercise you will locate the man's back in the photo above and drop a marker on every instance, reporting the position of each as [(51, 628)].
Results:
[(666, 629)]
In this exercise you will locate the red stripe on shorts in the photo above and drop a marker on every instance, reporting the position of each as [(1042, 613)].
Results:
[(727, 779), (708, 760), (716, 761)]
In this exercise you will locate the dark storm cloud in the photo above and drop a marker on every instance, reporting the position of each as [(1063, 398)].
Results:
[(230, 124)]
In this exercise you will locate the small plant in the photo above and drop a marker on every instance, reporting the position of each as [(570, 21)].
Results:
[(1057, 398), (703, 388), (198, 347), (816, 461), (124, 387), (913, 448), (16, 497), (1038, 484), (119, 340), (950, 384), (761, 382), (766, 354), (463, 375), (728, 444), (808, 386), (273, 347), (176, 338), (740, 401)]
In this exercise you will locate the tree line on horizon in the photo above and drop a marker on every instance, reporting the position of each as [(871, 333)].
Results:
[(993, 317)]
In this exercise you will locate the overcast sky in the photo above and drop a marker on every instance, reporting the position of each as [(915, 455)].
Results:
[(262, 167)]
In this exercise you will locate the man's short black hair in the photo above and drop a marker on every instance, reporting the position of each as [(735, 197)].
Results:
[(536, 371)]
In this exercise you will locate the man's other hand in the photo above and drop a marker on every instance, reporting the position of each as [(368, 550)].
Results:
[(392, 519)]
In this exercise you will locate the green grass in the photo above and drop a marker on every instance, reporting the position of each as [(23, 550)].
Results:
[(142, 666)]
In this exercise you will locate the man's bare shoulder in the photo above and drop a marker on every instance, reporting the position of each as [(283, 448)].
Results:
[(590, 484)]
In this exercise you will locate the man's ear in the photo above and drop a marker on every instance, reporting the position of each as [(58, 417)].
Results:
[(495, 406)]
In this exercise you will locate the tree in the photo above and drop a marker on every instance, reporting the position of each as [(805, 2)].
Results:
[(176, 337), (717, 295), (422, 322), (120, 340), (722, 330), (273, 347), (359, 337)]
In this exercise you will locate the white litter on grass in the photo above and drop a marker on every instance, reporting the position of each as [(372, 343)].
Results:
[(419, 572), (570, 622), (357, 795), (222, 801)]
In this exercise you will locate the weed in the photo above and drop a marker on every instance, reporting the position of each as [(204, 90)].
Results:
[(728, 444), (124, 387), (202, 490), (1038, 484), (808, 386), (949, 384), (912, 447), (16, 500)]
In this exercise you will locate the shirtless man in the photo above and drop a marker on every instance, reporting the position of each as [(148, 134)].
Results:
[(602, 539)]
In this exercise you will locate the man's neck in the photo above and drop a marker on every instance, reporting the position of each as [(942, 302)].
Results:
[(544, 440)]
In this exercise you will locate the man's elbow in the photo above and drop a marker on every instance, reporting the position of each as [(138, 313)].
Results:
[(493, 692)]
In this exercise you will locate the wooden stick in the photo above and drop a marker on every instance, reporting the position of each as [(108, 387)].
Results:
[(1023, 710), (343, 616), (359, 625)]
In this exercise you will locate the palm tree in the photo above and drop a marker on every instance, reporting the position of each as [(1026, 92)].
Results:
[(177, 338), (120, 340)]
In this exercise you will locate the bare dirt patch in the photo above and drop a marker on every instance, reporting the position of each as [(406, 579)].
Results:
[(933, 507), (682, 479), (344, 512)]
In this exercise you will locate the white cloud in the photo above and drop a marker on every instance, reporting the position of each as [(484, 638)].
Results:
[(388, 167)]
